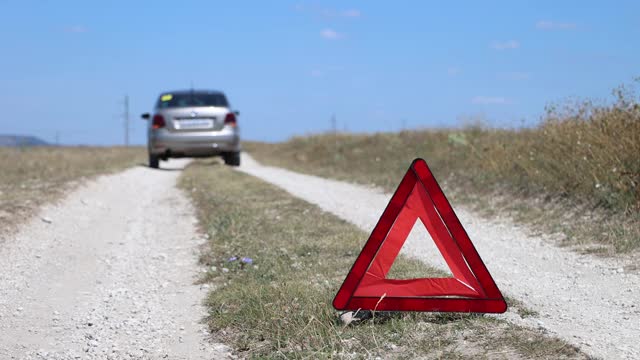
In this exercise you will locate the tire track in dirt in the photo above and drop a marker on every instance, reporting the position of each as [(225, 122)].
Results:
[(590, 302), (110, 277)]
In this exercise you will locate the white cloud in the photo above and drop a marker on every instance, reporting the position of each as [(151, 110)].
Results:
[(505, 45), (489, 100), (554, 25), (330, 34), (76, 29)]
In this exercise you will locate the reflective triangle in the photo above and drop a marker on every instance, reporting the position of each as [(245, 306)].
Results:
[(419, 197)]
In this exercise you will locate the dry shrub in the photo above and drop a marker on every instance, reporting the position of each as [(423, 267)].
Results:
[(583, 154)]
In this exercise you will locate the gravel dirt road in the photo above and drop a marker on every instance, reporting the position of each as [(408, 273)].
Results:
[(107, 273), (590, 302)]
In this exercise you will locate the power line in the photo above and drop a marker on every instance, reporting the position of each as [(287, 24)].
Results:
[(334, 124), (126, 120)]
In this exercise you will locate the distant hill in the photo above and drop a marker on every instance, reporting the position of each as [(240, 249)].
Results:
[(21, 140)]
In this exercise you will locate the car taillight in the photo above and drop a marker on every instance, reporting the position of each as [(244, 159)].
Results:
[(158, 122), (230, 119)]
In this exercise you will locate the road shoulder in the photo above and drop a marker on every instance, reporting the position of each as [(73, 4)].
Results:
[(110, 275)]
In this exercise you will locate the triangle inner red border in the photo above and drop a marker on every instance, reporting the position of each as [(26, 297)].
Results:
[(471, 289)]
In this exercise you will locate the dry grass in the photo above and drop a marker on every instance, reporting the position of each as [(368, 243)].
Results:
[(280, 305), (30, 177), (578, 172)]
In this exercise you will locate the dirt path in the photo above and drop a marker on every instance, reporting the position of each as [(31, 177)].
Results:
[(590, 302), (108, 275)]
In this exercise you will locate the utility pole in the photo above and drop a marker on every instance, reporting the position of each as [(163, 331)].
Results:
[(126, 120), (334, 124), (57, 138)]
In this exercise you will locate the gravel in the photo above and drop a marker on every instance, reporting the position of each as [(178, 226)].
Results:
[(590, 302), (107, 273)]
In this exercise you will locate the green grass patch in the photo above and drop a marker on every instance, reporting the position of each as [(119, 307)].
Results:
[(279, 306), (578, 172)]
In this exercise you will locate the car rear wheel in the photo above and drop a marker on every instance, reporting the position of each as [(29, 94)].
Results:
[(154, 161), (232, 158)]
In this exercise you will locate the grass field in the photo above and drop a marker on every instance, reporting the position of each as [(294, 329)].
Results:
[(276, 262), (577, 173), (32, 176)]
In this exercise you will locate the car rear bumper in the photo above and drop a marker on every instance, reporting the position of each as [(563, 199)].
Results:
[(193, 144)]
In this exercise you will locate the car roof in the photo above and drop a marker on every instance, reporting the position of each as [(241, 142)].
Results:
[(182, 92)]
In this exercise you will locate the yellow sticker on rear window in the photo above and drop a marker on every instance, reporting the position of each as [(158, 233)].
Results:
[(166, 97)]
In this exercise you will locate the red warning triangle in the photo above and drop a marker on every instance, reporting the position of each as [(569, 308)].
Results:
[(471, 289)]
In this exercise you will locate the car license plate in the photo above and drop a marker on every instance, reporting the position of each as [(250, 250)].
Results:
[(194, 124)]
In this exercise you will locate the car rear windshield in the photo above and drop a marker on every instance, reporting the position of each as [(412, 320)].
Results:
[(192, 99)]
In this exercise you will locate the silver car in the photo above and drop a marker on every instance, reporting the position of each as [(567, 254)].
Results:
[(193, 123)]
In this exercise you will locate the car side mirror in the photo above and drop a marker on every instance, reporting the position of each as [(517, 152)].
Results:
[(237, 113), (146, 116)]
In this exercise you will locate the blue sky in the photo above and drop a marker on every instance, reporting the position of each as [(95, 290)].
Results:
[(287, 66)]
